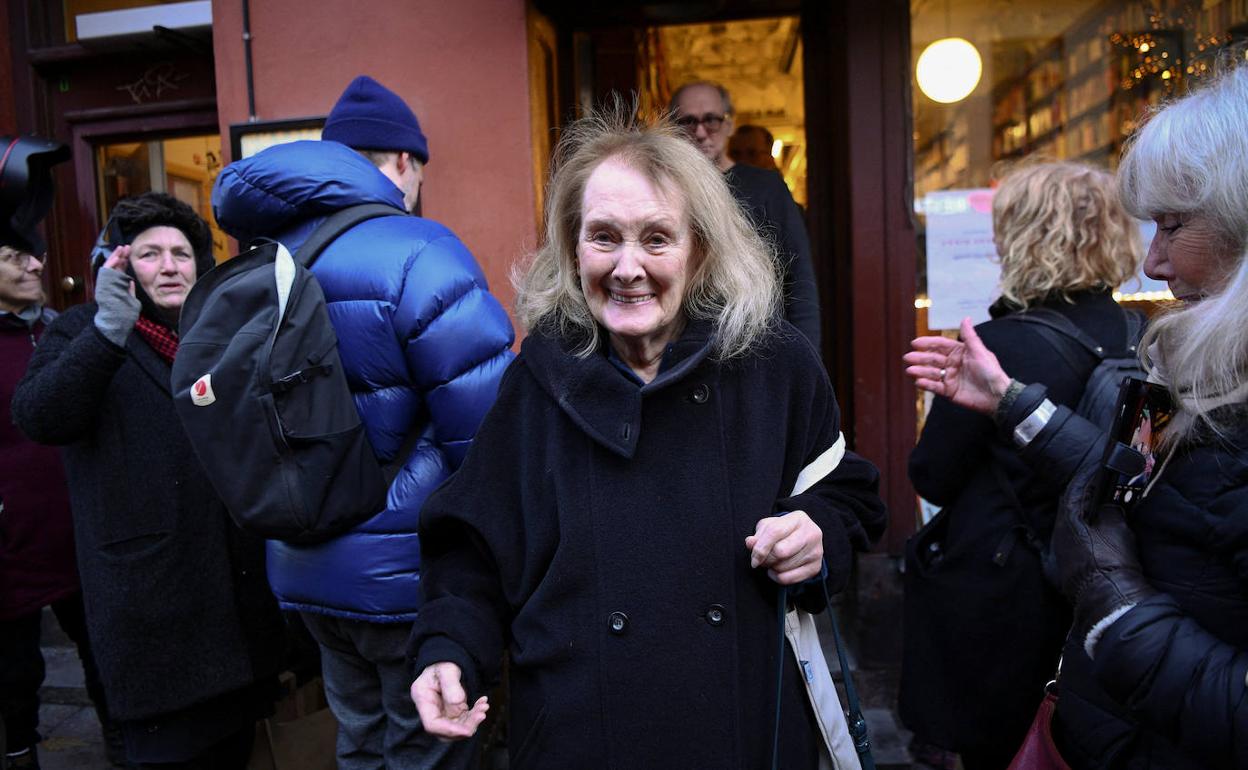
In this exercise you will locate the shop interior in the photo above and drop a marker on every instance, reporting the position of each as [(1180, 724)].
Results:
[(1043, 79), (759, 61), (580, 57), (1051, 79), (1058, 78), (185, 167)]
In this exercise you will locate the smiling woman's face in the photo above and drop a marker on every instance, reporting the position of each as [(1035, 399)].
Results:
[(164, 265), (1188, 253), (21, 280), (634, 255)]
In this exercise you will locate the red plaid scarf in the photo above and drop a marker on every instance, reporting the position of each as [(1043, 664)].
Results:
[(160, 338)]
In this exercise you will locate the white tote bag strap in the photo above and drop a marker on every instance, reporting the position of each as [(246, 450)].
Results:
[(799, 629)]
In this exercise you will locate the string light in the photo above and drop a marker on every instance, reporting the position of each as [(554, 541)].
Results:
[(1144, 296)]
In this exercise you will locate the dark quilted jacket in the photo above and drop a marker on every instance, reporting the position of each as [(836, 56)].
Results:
[(1168, 686)]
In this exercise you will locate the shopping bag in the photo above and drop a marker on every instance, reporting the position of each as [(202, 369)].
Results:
[(839, 753), (302, 733)]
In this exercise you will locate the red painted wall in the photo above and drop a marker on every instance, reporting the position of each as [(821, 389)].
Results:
[(463, 68)]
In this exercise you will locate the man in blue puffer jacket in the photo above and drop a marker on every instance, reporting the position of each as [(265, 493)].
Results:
[(424, 345)]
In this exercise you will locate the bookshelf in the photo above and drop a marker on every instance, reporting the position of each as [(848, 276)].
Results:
[(1078, 95)]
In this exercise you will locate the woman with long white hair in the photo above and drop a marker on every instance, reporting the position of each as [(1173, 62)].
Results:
[(1155, 665), (623, 525)]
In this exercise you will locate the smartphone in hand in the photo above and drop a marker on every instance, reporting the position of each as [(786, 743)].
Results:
[(110, 238), (1143, 412)]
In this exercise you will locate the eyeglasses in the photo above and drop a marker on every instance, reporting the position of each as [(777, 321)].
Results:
[(712, 122), (19, 259)]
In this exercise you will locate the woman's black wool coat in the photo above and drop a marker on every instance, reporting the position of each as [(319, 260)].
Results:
[(597, 531), (178, 607), (983, 627)]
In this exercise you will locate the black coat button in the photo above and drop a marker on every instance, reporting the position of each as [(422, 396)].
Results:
[(617, 622), (700, 394), (715, 614)]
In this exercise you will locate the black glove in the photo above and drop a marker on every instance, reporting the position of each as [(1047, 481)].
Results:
[(1097, 561)]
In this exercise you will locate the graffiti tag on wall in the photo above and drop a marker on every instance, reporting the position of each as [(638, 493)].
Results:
[(158, 80)]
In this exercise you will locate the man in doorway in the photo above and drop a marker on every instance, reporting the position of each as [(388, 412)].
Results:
[(751, 145), (37, 564), (704, 110), (423, 345)]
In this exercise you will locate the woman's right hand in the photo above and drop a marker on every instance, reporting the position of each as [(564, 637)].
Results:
[(118, 310), (963, 371), (119, 260), (443, 705)]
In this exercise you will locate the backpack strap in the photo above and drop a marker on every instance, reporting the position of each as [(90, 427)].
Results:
[(338, 223), (333, 226), (1136, 321), (1051, 319)]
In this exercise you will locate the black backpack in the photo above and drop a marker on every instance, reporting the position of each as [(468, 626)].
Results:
[(262, 395), (1100, 395)]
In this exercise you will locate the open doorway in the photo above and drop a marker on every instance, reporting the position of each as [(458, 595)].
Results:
[(759, 62), (761, 51), (184, 167)]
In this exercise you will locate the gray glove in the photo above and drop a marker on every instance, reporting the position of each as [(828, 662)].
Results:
[(118, 308)]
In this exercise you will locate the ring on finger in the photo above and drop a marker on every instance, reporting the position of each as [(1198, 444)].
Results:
[(943, 372)]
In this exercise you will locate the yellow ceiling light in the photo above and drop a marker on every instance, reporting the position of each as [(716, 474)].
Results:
[(948, 70)]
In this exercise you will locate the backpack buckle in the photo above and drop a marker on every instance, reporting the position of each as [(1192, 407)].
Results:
[(299, 378)]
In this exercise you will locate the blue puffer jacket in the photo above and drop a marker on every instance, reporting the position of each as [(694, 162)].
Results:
[(423, 343)]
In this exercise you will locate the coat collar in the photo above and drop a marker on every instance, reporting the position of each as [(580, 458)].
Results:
[(25, 320), (598, 397)]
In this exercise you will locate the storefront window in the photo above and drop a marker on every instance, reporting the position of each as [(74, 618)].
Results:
[(1056, 80)]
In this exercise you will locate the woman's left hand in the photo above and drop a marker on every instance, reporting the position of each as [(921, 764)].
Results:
[(790, 547), (1097, 558)]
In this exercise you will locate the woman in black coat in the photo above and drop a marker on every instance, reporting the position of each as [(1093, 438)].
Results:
[(184, 629), (984, 627), (1155, 672), (623, 521)]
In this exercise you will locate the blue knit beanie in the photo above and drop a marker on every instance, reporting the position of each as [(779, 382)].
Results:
[(369, 116)]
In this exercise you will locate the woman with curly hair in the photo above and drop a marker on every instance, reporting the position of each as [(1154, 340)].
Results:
[(1155, 670), (983, 627)]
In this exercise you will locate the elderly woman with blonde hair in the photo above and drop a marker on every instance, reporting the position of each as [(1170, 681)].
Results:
[(983, 628), (623, 522), (1155, 670)]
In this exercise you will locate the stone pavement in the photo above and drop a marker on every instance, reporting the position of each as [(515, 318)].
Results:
[(71, 733)]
